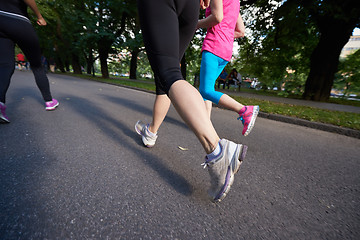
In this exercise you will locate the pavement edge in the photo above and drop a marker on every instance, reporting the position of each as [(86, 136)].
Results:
[(296, 121)]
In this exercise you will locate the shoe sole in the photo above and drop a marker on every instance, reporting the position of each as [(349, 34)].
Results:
[(4, 120), (252, 121), (230, 177), (146, 143), (52, 108)]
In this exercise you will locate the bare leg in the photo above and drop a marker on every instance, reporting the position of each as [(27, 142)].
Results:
[(230, 103), (161, 107), (190, 106), (208, 105)]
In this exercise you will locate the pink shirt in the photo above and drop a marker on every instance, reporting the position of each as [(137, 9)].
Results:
[(219, 39)]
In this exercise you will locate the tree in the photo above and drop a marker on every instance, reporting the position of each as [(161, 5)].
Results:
[(61, 38), (134, 41), (306, 35), (349, 73), (336, 21), (276, 45), (111, 16)]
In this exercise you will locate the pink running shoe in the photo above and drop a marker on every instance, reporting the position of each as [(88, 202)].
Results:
[(3, 117), (248, 118), (51, 105)]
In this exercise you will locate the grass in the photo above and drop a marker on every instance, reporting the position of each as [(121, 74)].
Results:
[(341, 101), (337, 118), (142, 84), (344, 102)]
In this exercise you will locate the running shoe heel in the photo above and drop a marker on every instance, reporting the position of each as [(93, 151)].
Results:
[(243, 153)]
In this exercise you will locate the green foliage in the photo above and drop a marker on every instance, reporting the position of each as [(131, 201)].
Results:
[(282, 39), (342, 119), (82, 27), (193, 55), (348, 76), (285, 35)]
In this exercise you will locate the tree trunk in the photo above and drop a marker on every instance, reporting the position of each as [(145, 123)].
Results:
[(67, 66), (89, 62), (133, 62), (103, 63), (183, 67), (335, 31), (75, 63), (104, 46), (60, 64), (323, 66)]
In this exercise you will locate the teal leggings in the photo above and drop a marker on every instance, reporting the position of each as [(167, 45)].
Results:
[(211, 67)]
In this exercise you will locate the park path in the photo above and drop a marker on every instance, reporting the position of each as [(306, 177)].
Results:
[(81, 172)]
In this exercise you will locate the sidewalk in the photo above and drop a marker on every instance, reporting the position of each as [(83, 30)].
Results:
[(315, 125), (321, 105), (302, 122)]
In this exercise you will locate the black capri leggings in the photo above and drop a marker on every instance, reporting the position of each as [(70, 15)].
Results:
[(167, 27), (20, 31)]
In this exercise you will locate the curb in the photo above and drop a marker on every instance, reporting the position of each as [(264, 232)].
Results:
[(296, 121)]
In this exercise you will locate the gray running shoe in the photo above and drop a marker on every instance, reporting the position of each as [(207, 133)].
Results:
[(223, 169), (143, 130)]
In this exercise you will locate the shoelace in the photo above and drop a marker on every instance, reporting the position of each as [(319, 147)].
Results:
[(145, 128), (244, 114), (206, 163), (241, 119)]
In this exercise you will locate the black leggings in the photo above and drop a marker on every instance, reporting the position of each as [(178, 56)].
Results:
[(18, 31), (167, 27)]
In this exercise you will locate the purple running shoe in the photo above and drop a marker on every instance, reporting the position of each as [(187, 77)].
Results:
[(3, 117), (51, 105)]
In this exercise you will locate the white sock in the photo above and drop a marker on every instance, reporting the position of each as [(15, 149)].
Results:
[(151, 133), (215, 153)]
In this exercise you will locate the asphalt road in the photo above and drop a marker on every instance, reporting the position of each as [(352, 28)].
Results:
[(81, 172)]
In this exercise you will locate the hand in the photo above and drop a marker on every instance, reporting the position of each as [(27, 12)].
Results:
[(204, 4), (239, 34), (41, 21)]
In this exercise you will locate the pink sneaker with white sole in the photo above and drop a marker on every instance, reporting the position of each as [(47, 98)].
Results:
[(51, 105), (248, 118)]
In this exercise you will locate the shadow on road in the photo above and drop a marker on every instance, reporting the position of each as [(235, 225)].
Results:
[(104, 122), (142, 109)]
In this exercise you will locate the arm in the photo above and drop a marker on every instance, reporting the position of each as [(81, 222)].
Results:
[(32, 4), (239, 28), (215, 17)]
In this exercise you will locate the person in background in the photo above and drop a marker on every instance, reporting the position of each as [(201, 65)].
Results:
[(52, 64), (224, 23), (234, 78), (20, 60), (222, 79), (16, 28)]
